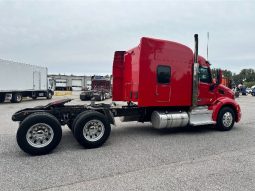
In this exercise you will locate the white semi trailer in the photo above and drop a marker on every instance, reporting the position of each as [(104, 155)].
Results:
[(18, 80)]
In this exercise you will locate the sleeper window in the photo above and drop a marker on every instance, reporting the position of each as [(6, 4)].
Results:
[(163, 74)]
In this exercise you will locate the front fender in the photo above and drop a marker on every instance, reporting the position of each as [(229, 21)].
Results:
[(225, 102)]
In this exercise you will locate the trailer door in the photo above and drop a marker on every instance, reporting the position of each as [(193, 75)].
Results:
[(37, 80), (163, 88)]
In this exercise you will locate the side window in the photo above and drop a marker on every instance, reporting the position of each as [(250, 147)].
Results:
[(163, 74), (205, 75)]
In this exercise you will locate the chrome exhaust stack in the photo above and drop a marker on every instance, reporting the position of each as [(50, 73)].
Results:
[(195, 74)]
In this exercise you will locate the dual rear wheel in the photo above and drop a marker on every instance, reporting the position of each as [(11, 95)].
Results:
[(41, 132)]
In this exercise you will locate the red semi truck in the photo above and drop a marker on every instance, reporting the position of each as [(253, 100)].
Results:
[(100, 89), (162, 82)]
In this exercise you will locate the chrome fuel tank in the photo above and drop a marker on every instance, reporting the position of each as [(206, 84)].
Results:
[(162, 120)]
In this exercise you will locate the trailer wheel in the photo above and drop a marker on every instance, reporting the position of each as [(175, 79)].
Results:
[(91, 129), (49, 95), (16, 98), (226, 119), (39, 133)]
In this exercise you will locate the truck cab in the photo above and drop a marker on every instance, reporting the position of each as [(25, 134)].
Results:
[(168, 77), (210, 91)]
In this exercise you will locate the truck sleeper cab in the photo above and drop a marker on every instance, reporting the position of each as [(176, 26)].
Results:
[(162, 82)]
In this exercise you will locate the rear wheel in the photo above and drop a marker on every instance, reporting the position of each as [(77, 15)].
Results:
[(39, 133), (16, 98), (91, 129), (226, 119)]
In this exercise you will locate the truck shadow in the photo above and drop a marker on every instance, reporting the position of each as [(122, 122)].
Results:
[(149, 130), (124, 132)]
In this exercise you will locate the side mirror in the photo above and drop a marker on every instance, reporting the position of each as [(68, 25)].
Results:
[(219, 77)]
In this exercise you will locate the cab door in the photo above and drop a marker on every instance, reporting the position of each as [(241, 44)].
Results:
[(205, 90), (163, 89)]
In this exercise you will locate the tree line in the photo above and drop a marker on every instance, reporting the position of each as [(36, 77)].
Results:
[(245, 77)]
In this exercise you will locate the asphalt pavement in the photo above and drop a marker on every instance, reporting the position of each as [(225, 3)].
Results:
[(135, 157)]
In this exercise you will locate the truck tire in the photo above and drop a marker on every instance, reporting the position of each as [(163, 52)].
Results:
[(16, 98), (39, 133), (226, 119), (71, 124), (91, 129), (2, 98), (82, 99), (49, 95)]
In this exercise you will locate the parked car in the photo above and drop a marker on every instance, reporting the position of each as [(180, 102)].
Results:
[(248, 90), (253, 92), (243, 91)]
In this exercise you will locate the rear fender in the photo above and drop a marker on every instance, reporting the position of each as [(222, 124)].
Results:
[(225, 102)]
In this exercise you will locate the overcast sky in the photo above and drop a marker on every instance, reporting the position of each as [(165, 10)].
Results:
[(80, 37)]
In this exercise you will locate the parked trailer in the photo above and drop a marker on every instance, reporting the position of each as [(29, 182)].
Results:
[(149, 78), (18, 80)]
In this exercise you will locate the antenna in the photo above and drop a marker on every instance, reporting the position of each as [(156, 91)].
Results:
[(207, 44)]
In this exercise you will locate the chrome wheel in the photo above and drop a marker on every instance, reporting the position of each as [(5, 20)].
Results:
[(39, 135), (227, 119), (93, 130)]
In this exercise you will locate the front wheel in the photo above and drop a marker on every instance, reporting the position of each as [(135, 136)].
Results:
[(226, 119), (49, 95), (39, 133), (91, 129)]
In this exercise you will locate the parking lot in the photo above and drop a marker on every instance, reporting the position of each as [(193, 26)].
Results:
[(135, 157)]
